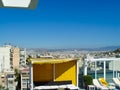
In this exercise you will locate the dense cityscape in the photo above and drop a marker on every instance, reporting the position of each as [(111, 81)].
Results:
[(14, 62)]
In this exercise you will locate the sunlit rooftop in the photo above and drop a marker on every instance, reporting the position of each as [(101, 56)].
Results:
[(49, 61)]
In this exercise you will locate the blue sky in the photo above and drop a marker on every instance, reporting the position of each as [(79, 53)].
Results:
[(62, 24)]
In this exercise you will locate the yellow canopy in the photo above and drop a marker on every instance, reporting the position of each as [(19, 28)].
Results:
[(49, 61)]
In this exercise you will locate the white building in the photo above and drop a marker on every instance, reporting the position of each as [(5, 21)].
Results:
[(11, 58), (5, 58), (10, 81), (22, 57)]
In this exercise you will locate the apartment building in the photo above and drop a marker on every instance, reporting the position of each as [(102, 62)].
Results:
[(10, 80), (9, 58), (24, 78), (15, 52), (7, 80), (5, 58), (22, 57)]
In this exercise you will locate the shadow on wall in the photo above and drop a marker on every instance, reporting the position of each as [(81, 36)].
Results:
[(65, 68)]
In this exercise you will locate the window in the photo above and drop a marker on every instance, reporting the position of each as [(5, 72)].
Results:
[(10, 82), (10, 76)]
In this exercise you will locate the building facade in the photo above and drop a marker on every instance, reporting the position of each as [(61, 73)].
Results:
[(10, 80), (22, 57), (24, 73), (15, 57), (10, 59), (5, 58)]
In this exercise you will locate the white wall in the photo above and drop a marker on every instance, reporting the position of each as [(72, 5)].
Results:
[(4, 58), (23, 57)]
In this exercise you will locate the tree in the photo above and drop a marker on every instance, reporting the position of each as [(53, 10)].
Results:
[(87, 80), (16, 75), (28, 60), (3, 88)]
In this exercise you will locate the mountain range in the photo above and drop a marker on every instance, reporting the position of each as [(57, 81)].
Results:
[(107, 48)]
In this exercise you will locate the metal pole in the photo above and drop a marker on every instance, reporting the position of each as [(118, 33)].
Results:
[(31, 76), (113, 69), (77, 73), (95, 70), (105, 70), (85, 67)]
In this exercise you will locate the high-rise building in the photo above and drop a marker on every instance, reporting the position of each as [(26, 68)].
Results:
[(5, 58), (9, 58), (15, 57)]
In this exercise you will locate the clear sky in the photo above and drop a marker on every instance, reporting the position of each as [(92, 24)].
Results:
[(62, 24)]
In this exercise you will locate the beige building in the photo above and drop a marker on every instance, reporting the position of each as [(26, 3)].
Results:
[(15, 57)]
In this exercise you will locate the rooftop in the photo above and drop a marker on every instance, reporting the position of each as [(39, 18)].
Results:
[(49, 61)]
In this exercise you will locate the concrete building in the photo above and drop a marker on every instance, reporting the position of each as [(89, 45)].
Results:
[(15, 57), (7, 80), (5, 58), (10, 80), (22, 57), (24, 73), (9, 58)]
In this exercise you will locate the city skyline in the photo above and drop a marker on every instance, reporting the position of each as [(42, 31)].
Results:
[(62, 24)]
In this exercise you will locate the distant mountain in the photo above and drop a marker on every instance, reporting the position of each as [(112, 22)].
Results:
[(108, 48)]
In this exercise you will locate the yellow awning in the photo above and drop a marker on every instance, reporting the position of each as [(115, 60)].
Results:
[(49, 61)]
